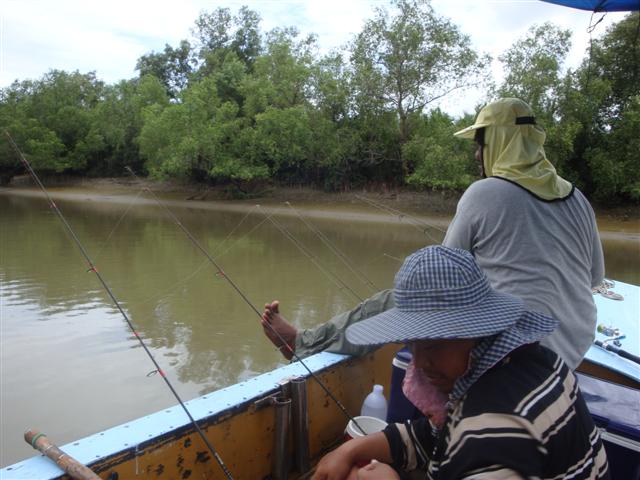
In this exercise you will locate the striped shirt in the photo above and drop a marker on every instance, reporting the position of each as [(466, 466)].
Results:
[(524, 418)]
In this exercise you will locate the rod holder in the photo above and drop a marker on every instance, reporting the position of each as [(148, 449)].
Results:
[(300, 422), (281, 458)]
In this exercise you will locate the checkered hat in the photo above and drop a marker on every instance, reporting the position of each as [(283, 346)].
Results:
[(441, 293)]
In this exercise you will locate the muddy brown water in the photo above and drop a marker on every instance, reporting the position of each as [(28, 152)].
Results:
[(70, 366)]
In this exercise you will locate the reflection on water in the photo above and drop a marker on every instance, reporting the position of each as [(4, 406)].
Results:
[(69, 364)]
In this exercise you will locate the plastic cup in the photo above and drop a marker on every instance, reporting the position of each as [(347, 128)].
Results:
[(369, 425)]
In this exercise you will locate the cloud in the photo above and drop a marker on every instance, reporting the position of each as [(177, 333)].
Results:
[(106, 37), (109, 37), (494, 25)]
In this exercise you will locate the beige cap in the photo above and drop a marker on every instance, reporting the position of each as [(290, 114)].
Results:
[(505, 112)]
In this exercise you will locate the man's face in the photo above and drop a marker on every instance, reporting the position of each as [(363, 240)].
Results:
[(442, 361), (480, 159)]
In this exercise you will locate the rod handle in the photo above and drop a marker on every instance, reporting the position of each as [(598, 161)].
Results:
[(70, 465), (619, 351)]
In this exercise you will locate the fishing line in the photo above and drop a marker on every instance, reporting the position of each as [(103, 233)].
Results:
[(382, 257), (220, 272), (92, 268), (234, 229), (332, 276), (204, 264), (255, 227), (113, 230), (399, 260), (361, 276), (421, 225), (169, 290)]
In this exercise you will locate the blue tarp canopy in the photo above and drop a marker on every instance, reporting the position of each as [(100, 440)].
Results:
[(600, 5)]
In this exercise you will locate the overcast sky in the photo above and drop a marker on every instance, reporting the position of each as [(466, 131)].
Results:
[(108, 36)]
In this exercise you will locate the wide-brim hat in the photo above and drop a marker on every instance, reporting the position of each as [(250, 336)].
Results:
[(506, 112), (441, 293)]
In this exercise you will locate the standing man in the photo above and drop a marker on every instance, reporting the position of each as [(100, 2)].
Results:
[(531, 231)]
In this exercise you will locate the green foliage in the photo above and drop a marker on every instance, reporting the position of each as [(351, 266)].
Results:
[(296, 145), (172, 67), (169, 137), (533, 67), (441, 160), (330, 88), (283, 137), (599, 105), (117, 122), (238, 106), (50, 120), (281, 75), (229, 79), (616, 57), (42, 146), (377, 152), (199, 138), (408, 60), (532, 72), (219, 33), (615, 162)]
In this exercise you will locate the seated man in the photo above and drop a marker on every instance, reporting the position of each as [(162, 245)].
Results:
[(510, 408)]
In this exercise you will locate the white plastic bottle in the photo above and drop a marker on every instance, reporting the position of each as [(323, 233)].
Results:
[(375, 405)]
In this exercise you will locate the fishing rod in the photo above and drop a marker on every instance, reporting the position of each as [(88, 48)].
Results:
[(220, 272), (92, 268), (363, 278), (621, 352)]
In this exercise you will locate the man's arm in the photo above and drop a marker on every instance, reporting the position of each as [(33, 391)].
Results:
[(330, 336), (338, 463)]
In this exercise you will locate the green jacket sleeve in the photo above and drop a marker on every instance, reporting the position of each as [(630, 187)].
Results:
[(330, 336)]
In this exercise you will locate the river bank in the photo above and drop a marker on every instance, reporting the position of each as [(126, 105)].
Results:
[(404, 200)]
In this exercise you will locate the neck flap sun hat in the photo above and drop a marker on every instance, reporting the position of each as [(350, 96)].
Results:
[(441, 293), (514, 149)]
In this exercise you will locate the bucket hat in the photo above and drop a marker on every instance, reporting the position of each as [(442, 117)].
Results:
[(441, 293)]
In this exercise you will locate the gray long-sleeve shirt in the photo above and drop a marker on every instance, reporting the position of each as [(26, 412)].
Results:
[(547, 253)]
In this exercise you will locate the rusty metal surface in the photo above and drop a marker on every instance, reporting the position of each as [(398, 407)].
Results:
[(165, 446)]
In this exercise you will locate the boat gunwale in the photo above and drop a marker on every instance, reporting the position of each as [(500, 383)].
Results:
[(130, 439)]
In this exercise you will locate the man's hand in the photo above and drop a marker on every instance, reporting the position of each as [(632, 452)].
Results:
[(336, 465), (376, 471), (342, 463)]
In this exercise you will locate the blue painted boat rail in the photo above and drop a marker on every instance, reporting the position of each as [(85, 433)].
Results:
[(625, 316), (128, 436)]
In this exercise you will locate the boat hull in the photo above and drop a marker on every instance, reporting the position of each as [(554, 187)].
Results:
[(239, 421)]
